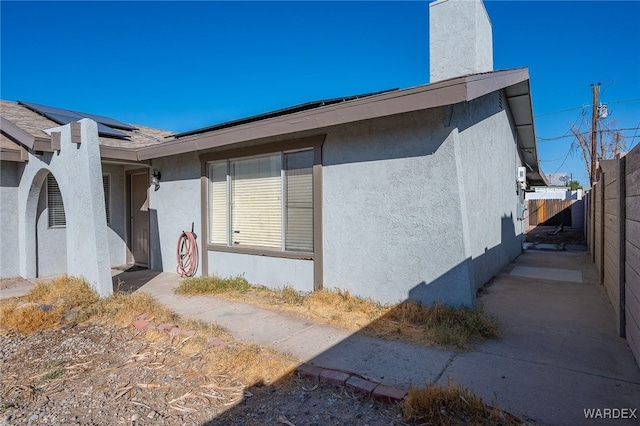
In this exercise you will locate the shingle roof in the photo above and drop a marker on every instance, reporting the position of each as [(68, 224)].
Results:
[(9, 150), (35, 124)]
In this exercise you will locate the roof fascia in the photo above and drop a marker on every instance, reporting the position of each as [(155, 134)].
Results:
[(483, 84), (398, 102), (19, 155), (441, 93), (535, 175), (116, 153), (40, 143)]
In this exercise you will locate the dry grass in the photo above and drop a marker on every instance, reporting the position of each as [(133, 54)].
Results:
[(28, 318), (64, 290), (451, 405), (438, 324), (48, 304), (213, 285), (435, 324)]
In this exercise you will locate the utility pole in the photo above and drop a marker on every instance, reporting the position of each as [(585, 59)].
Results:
[(594, 129)]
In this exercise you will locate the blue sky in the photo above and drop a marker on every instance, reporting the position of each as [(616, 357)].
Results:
[(184, 65)]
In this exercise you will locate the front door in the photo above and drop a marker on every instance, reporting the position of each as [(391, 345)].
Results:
[(140, 219)]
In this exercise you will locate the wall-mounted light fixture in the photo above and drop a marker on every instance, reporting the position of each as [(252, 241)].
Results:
[(155, 179)]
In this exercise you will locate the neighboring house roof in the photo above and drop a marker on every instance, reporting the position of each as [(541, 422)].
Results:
[(27, 127), (147, 143)]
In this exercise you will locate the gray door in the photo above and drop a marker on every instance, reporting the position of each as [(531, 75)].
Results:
[(140, 219)]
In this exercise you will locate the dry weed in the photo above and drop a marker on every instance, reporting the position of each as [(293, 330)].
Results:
[(213, 285), (122, 308), (64, 290), (451, 405), (29, 318), (48, 304), (253, 364), (436, 324)]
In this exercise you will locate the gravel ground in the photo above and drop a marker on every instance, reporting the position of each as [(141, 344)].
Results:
[(92, 374)]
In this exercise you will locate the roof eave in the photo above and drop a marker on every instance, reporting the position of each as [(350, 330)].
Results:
[(446, 92), (518, 96), (117, 153), (39, 143)]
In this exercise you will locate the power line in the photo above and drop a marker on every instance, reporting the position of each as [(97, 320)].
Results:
[(565, 158), (624, 101), (563, 110), (585, 106), (541, 139)]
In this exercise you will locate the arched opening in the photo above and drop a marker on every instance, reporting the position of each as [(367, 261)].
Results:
[(51, 230)]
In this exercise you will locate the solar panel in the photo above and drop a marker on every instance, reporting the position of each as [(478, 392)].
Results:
[(108, 121), (65, 116), (108, 131), (62, 118)]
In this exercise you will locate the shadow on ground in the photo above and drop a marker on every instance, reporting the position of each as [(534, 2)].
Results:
[(555, 235), (131, 278)]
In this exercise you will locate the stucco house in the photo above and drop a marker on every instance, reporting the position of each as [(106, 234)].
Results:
[(410, 193)]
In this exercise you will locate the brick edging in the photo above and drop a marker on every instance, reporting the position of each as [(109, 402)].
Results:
[(355, 382)]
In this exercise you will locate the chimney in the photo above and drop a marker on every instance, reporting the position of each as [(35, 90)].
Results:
[(460, 40)]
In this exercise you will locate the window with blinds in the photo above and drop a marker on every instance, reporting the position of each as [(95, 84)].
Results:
[(298, 190), (55, 206), (106, 186), (262, 202), (256, 202), (218, 203)]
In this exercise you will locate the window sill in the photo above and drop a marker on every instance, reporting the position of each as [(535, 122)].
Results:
[(262, 252)]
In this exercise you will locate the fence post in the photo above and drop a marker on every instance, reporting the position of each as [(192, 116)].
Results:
[(622, 198), (602, 182), (594, 189)]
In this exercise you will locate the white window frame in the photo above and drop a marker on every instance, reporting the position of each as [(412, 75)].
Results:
[(229, 202)]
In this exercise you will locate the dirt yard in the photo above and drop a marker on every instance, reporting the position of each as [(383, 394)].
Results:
[(69, 357), (92, 374)]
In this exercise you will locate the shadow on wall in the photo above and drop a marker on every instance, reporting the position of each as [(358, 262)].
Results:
[(403, 363), (550, 212), (155, 248)]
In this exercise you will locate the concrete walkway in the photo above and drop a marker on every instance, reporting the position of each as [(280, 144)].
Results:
[(558, 353)]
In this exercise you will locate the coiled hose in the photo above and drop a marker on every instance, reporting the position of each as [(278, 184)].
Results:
[(187, 252)]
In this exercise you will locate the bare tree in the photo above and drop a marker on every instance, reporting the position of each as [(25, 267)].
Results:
[(610, 145)]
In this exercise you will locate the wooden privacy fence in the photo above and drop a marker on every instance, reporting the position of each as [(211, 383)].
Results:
[(613, 236), (550, 212)]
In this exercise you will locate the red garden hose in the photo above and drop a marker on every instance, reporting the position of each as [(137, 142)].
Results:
[(187, 252)]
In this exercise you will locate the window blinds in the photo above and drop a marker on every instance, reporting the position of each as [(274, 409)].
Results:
[(218, 205), (106, 186), (256, 202), (263, 202), (299, 201), (55, 207)]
